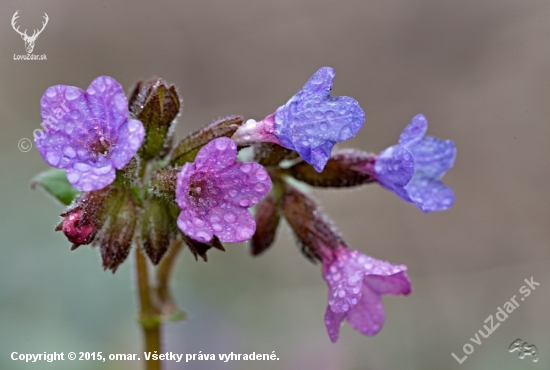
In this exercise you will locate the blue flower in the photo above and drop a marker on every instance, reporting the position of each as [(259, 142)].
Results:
[(414, 167), (311, 122), (88, 132)]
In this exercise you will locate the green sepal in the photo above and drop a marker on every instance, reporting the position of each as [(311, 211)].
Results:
[(187, 149)]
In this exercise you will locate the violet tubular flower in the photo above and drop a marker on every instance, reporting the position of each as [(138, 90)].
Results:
[(356, 285), (414, 167), (311, 122), (216, 191), (88, 133)]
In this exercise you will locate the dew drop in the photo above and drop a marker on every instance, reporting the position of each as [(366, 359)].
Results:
[(259, 187), (73, 177), (233, 192), (133, 125), (324, 126), (50, 93), (120, 102), (217, 227), (82, 167), (198, 222), (341, 293), (71, 93), (69, 152), (230, 217), (246, 167), (244, 233), (215, 218), (202, 236), (261, 174), (345, 133), (244, 203), (221, 144), (103, 170), (336, 276), (53, 158)]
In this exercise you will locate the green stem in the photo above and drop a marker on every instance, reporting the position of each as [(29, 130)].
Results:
[(164, 271), (148, 315)]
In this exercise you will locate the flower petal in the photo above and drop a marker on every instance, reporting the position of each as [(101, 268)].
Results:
[(218, 154), (312, 121), (244, 184), (429, 194), (107, 103), (414, 131), (194, 226), (394, 283), (231, 223), (368, 316), (433, 157), (394, 168), (88, 176), (130, 138), (344, 277), (333, 321)]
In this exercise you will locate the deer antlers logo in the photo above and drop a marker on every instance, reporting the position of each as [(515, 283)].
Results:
[(29, 40)]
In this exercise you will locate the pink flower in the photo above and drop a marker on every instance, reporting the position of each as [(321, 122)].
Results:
[(356, 285), (215, 192)]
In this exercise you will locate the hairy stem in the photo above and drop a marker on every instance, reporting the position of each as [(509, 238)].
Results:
[(148, 315), (164, 272)]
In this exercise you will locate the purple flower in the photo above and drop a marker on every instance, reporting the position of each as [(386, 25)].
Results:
[(88, 132), (311, 122), (356, 284), (215, 192), (414, 167)]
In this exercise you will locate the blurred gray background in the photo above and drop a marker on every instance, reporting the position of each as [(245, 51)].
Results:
[(479, 70)]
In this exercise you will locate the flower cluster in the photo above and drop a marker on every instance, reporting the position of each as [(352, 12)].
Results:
[(126, 182)]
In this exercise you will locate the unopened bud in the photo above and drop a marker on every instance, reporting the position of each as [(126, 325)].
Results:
[(156, 104)]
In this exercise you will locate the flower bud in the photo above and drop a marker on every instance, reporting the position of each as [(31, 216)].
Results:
[(84, 217), (158, 228), (77, 232), (314, 232), (156, 104), (267, 219), (340, 171), (187, 149), (115, 238)]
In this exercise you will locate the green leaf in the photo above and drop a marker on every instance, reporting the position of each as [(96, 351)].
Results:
[(55, 182)]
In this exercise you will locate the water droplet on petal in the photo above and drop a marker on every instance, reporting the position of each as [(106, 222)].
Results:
[(71, 93), (217, 227), (69, 151), (215, 218), (345, 133), (336, 276), (82, 167), (103, 170), (53, 158), (341, 293), (198, 222), (244, 233), (202, 236), (246, 167), (221, 144), (50, 93), (261, 174), (229, 217), (73, 177), (259, 187), (244, 203), (324, 126), (233, 192)]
